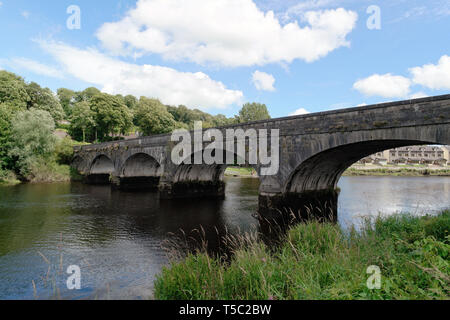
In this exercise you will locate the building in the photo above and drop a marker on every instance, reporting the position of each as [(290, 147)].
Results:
[(412, 155)]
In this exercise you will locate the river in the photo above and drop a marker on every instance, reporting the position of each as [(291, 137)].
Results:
[(117, 238)]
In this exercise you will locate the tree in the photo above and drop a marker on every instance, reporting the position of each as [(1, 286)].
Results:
[(32, 139), (6, 116), (153, 118), (131, 101), (66, 99), (13, 91), (86, 94), (44, 99), (82, 118), (253, 112), (111, 115)]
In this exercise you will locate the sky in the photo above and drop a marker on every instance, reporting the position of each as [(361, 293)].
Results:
[(294, 56)]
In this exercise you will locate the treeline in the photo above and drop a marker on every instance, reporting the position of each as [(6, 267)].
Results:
[(97, 116), (29, 115)]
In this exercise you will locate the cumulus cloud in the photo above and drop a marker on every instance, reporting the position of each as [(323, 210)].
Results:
[(299, 112), (33, 66), (263, 81), (386, 86), (225, 32), (433, 76), (117, 77)]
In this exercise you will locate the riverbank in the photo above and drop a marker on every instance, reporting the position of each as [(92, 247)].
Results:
[(241, 172), (407, 171), (320, 261), (50, 173)]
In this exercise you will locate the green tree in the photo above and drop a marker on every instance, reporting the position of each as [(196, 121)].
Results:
[(86, 94), (32, 140), (131, 102), (44, 99), (253, 112), (111, 115), (6, 116), (66, 99), (13, 90), (153, 118), (82, 118)]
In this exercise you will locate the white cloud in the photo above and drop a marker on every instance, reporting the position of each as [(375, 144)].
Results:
[(418, 95), (33, 66), (118, 77), (304, 6), (25, 14), (225, 32), (386, 86), (299, 112), (433, 76), (263, 81)]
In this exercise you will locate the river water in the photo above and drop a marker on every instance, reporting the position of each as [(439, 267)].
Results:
[(118, 238)]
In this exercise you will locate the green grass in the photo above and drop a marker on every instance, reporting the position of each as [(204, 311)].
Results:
[(240, 171), (320, 261)]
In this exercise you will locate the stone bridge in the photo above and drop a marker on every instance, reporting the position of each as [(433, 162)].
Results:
[(314, 151)]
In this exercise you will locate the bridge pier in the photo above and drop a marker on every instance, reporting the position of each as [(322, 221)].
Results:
[(135, 183), (97, 179), (192, 189), (291, 207)]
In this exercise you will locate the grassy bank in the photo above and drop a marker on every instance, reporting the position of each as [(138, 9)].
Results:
[(401, 172), (319, 261), (240, 172)]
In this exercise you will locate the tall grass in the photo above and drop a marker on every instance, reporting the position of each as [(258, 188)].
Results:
[(320, 261)]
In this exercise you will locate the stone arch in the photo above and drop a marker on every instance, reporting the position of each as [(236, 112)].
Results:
[(102, 165), (78, 163), (205, 172), (140, 165), (323, 170)]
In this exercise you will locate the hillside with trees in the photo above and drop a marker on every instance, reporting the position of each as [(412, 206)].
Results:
[(30, 115)]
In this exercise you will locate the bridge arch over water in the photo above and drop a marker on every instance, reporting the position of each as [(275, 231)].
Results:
[(314, 151)]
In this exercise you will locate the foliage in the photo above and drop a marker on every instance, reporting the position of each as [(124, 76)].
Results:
[(111, 115), (32, 139), (5, 134), (44, 99), (130, 101), (153, 118), (82, 118), (187, 116), (13, 91), (86, 94), (64, 152), (66, 99), (320, 261), (253, 112)]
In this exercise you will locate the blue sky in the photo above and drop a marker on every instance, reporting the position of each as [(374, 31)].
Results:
[(307, 56)]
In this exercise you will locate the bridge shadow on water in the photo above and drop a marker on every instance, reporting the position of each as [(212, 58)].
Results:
[(217, 226)]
